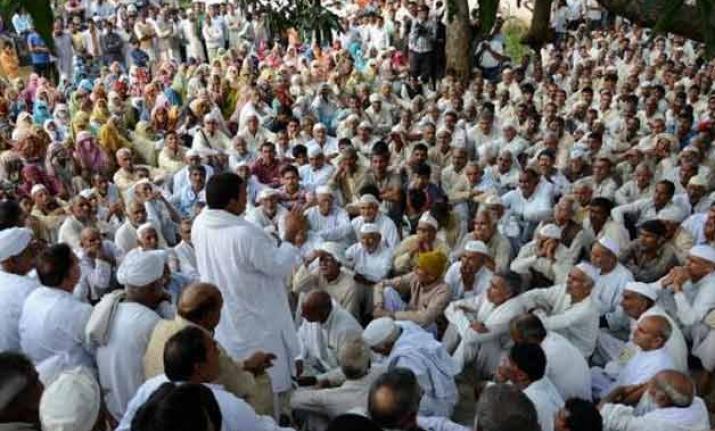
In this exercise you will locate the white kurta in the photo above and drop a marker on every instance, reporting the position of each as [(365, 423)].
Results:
[(547, 401), (14, 289), (577, 322), (418, 351), (566, 367), (608, 291), (639, 369), (619, 417), (388, 230), (52, 324), (121, 371), (333, 227), (453, 278), (236, 414), (321, 342), (490, 346), (374, 266), (250, 271)]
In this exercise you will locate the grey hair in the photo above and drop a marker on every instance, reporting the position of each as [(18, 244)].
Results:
[(492, 416), (485, 212), (678, 398), (354, 358), (568, 202)]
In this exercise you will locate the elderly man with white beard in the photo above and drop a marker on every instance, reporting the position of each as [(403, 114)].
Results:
[(569, 308), (693, 291), (667, 402), (370, 213), (651, 356), (269, 215), (369, 258), (479, 325)]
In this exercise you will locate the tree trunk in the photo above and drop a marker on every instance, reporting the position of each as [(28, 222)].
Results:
[(685, 22), (540, 32), (457, 47)]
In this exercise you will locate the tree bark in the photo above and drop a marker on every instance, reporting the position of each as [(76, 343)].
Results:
[(457, 49), (686, 22), (540, 32)]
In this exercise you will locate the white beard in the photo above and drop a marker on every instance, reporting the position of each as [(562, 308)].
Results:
[(646, 405)]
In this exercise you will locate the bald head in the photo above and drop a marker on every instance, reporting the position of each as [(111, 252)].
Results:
[(652, 332), (317, 306), (201, 304), (676, 386)]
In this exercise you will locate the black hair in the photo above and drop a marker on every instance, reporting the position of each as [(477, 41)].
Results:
[(583, 415), (530, 359), (655, 227), (53, 264), (185, 407), (222, 188), (10, 214), (183, 351), (406, 398)]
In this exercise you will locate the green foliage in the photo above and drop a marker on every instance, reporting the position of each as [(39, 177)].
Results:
[(309, 17), (707, 12), (487, 15), (514, 30), (39, 10)]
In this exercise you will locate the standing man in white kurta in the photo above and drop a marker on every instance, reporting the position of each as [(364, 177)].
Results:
[(248, 268)]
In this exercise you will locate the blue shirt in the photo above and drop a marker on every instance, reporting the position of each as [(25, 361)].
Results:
[(35, 40)]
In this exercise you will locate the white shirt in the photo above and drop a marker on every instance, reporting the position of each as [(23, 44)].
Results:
[(608, 291), (314, 178), (187, 259), (236, 414), (250, 271), (321, 342), (387, 227), (334, 227), (536, 207), (119, 362), (373, 266), (418, 351), (566, 367), (577, 322), (547, 401), (351, 395), (453, 278), (52, 323), (619, 417), (14, 289)]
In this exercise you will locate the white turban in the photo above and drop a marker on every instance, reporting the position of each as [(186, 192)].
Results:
[(314, 151), (550, 231), (493, 200), (644, 289), (267, 193), (140, 268), (71, 402), (145, 227), (379, 331), (591, 271), (37, 188), (704, 252), (477, 247), (323, 190), (610, 245), (334, 249), (369, 228), (14, 241), (429, 221), (368, 199), (673, 214), (697, 180)]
